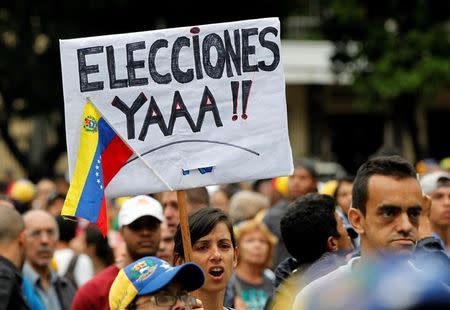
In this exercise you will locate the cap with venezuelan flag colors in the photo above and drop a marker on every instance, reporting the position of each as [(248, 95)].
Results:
[(147, 276)]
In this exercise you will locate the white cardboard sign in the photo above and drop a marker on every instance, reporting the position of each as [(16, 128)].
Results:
[(184, 98)]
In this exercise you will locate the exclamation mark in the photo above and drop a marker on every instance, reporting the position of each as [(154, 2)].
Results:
[(246, 85), (235, 92)]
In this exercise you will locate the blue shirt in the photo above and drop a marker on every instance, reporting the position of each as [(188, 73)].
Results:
[(48, 298), (439, 238)]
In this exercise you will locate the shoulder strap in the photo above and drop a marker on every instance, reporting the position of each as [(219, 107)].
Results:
[(70, 275), (72, 264)]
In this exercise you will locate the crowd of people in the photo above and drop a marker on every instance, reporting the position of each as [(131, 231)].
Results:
[(377, 240)]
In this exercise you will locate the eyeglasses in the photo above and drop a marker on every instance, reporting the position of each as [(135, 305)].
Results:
[(170, 300)]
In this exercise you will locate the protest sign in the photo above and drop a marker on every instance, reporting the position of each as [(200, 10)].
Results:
[(199, 105)]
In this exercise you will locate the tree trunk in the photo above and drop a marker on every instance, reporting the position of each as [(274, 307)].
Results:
[(6, 116), (401, 122)]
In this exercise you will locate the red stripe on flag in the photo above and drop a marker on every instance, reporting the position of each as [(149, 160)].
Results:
[(102, 220), (114, 157)]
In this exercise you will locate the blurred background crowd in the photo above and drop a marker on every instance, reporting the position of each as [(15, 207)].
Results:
[(256, 210)]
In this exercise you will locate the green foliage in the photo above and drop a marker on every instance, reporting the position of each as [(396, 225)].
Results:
[(394, 49)]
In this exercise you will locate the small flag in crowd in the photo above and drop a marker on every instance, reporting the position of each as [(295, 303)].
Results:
[(101, 154)]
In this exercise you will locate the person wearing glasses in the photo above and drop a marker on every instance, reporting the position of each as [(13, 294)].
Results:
[(151, 283), (41, 282)]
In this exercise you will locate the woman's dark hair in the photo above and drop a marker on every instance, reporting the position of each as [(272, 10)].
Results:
[(93, 236), (201, 223)]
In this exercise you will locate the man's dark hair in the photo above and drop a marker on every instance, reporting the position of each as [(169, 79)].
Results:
[(54, 196), (394, 166), (386, 150), (198, 195), (257, 184), (201, 223), (308, 165), (11, 224), (67, 228), (308, 223), (93, 236)]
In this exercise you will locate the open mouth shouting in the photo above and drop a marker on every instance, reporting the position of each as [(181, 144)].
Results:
[(216, 273)]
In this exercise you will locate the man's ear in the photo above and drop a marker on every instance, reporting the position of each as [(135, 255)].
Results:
[(332, 244), (356, 218), (22, 238), (426, 208)]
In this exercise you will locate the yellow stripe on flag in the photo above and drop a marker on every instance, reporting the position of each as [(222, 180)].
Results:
[(86, 152)]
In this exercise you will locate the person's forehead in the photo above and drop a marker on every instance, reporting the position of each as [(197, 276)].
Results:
[(169, 196), (301, 171), (389, 181), (220, 231), (442, 190), (42, 225), (40, 220), (403, 191), (345, 187), (253, 233)]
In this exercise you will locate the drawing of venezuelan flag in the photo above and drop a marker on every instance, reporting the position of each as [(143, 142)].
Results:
[(101, 155)]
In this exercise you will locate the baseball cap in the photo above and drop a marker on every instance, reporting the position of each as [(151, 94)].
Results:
[(329, 187), (280, 185), (148, 275), (430, 181), (137, 207), (22, 191), (445, 163)]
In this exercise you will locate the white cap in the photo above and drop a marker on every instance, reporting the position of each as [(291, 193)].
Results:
[(430, 181), (137, 207)]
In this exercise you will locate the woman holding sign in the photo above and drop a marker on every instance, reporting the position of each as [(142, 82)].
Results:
[(214, 250)]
